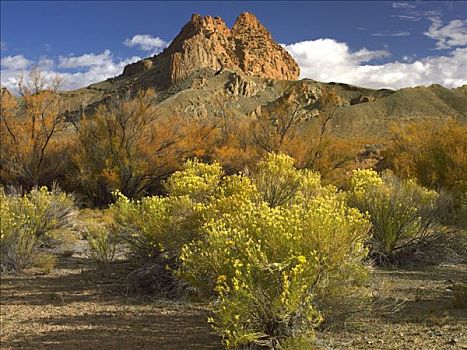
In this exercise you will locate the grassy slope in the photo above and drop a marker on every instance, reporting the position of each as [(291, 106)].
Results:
[(205, 94)]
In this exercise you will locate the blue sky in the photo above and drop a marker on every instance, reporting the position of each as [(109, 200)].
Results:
[(375, 44)]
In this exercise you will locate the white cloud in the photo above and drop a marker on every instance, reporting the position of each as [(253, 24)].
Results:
[(86, 60), (15, 62), (45, 63), (453, 34), (407, 17), (391, 34), (322, 59), (365, 55), (328, 60), (403, 5), (146, 42), (98, 67)]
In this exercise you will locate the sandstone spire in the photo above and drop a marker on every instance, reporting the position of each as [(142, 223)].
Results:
[(207, 42)]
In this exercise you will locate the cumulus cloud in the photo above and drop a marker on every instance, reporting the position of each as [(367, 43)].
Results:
[(15, 62), (146, 42), (328, 60), (453, 34), (86, 60), (96, 67), (322, 59), (45, 63)]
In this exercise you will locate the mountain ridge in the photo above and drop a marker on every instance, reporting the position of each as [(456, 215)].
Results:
[(210, 68)]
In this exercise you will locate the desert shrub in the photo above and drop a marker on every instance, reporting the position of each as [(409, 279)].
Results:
[(54, 215), (435, 154), (403, 214), (33, 133), (153, 229), (278, 182), (276, 179), (17, 237), (44, 261), (268, 266), (153, 226), (197, 180), (269, 263), (103, 244), (40, 218), (270, 257), (128, 145), (98, 230)]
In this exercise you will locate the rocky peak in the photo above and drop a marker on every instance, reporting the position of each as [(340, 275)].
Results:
[(208, 24), (247, 22), (207, 42)]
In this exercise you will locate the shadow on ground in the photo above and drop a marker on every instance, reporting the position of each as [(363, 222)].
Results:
[(80, 307)]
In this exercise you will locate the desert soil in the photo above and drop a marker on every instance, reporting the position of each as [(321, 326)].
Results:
[(79, 307)]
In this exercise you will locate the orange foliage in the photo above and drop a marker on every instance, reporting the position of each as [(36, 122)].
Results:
[(127, 145), (433, 152), (233, 146), (302, 131), (32, 131)]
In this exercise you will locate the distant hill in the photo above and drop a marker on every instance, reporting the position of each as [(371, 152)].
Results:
[(209, 68)]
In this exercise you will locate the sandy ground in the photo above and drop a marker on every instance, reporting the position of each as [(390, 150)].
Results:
[(78, 307)]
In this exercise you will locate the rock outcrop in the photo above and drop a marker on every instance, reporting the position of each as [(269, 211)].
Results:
[(207, 42)]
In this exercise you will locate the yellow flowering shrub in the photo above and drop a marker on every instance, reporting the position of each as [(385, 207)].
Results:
[(197, 180), (153, 226), (268, 266), (156, 226), (269, 248), (402, 212), (279, 183), (103, 243), (40, 217)]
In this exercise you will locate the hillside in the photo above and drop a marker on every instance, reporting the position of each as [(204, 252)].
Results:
[(209, 69)]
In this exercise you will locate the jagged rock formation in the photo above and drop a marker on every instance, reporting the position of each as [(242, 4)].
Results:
[(211, 70), (207, 42)]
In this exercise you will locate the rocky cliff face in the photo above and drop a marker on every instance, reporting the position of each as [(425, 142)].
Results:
[(207, 42), (210, 68)]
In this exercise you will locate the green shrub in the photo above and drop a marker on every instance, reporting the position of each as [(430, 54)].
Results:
[(269, 263), (403, 214), (39, 218), (276, 179), (270, 257), (103, 244), (156, 226), (153, 229), (17, 233)]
